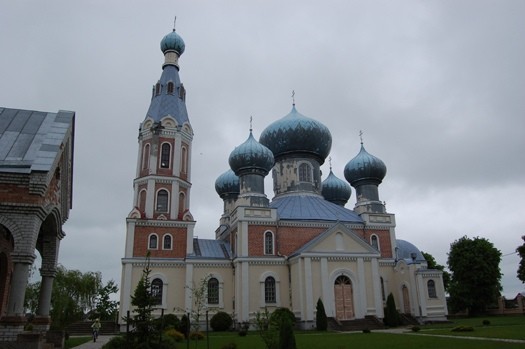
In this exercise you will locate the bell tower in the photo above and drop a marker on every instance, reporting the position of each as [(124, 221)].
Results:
[(160, 224)]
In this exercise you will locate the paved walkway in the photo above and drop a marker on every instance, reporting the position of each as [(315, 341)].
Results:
[(95, 345)]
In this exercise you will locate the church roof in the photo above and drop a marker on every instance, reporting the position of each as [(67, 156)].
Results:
[(166, 103), (208, 248), (405, 250), (31, 140), (312, 208)]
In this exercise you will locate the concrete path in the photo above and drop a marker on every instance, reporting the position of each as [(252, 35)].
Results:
[(95, 345)]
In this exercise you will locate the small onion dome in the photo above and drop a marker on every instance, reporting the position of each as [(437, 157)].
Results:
[(297, 134), (227, 184), (251, 156), (172, 42), (365, 167), (336, 190)]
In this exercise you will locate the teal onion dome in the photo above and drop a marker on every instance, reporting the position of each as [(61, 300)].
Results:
[(335, 190), (296, 134), (172, 42), (227, 184), (251, 157), (365, 168)]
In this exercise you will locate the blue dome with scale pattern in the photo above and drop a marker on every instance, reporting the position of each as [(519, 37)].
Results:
[(365, 167), (251, 156), (296, 134), (172, 42), (227, 183), (335, 190)]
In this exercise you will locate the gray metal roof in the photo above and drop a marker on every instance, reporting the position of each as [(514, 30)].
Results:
[(405, 249), (312, 207), (207, 248), (30, 140)]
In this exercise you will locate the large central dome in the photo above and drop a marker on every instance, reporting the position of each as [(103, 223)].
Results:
[(296, 134)]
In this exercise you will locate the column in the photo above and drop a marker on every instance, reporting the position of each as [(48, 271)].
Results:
[(46, 288), (22, 263)]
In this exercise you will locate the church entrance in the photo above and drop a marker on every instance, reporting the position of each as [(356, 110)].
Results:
[(344, 298), (406, 300)]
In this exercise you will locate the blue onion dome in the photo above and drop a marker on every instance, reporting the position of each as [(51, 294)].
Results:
[(365, 167), (335, 190), (251, 157), (296, 134), (172, 42), (227, 184)]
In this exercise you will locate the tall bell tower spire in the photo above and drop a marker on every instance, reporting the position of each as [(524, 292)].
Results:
[(160, 224)]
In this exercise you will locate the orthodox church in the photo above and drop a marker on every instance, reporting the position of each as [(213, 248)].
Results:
[(290, 251)]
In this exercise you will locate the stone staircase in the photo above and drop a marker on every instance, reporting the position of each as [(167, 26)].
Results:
[(368, 323), (83, 328), (407, 319)]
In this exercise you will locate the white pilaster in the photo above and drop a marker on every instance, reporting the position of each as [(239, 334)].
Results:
[(376, 282), (188, 286), (325, 288), (308, 284), (150, 198), (361, 310)]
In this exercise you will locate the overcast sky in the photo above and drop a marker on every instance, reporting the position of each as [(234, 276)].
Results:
[(438, 88)]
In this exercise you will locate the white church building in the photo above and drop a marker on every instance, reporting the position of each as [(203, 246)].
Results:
[(290, 251)]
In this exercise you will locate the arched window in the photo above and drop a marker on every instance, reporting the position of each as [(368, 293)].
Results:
[(153, 240), (181, 204), (145, 157), (157, 89), (166, 244), (162, 201), (170, 88), (374, 241), (184, 158), (431, 286), (142, 201), (165, 155), (269, 290), (268, 242), (305, 173), (382, 288), (213, 291), (156, 290)]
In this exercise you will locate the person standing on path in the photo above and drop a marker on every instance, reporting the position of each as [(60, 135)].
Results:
[(96, 328)]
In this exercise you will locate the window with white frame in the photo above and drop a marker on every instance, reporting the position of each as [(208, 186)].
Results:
[(268, 242), (213, 291), (374, 241), (153, 242), (165, 153), (162, 200), (166, 243), (270, 294), (156, 291), (431, 287)]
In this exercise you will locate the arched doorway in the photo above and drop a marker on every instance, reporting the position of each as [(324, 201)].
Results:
[(6, 247), (344, 298), (406, 300)]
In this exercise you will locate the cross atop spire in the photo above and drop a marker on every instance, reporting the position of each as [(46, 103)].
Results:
[(361, 136), (293, 97), (251, 120), (174, 22), (330, 162)]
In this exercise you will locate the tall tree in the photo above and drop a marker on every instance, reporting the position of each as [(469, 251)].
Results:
[(521, 252), (432, 264), (476, 276), (144, 302), (105, 307)]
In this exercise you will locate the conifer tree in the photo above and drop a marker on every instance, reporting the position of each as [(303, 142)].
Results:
[(321, 322), (391, 314), (143, 301), (286, 335)]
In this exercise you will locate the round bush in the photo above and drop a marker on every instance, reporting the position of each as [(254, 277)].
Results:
[(196, 336), (174, 334), (221, 321), (486, 322), (415, 328), (279, 313)]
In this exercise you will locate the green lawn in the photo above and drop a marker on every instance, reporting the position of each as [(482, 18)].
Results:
[(372, 340), (510, 327), (76, 341)]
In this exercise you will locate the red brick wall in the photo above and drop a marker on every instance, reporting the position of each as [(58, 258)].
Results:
[(287, 239), (178, 242)]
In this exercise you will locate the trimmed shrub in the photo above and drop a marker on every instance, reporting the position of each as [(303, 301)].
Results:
[(231, 345), (184, 325), (486, 322), (286, 335), (243, 333), (221, 321), (366, 330), (415, 328)]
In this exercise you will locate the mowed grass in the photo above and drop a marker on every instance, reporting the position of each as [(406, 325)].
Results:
[(509, 327), (72, 342), (374, 340)]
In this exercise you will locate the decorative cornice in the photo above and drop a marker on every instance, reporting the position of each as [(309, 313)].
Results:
[(161, 223)]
